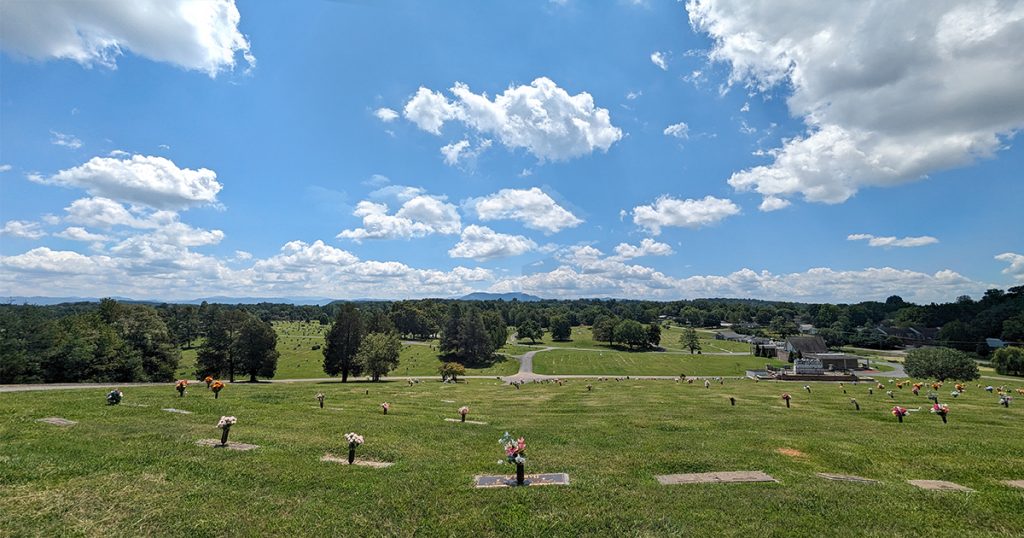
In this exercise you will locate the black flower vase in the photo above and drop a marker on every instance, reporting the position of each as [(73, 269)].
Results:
[(787, 404), (857, 405), (900, 417), (463, 418), (351, 453), (216, 394), (520, 478), (181, 393), (943, 415), (732, 401), (321, 404), (224, 435)]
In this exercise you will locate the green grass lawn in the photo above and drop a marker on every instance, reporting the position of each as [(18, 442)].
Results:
[(569, 362), (129, 470), (583, 338), (299, 360)]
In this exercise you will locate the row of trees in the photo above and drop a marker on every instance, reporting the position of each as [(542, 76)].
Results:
[(628, 332), (237, 342), (358, 343), (111, 342)]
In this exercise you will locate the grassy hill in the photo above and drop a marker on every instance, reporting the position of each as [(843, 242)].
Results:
[(135, 470)]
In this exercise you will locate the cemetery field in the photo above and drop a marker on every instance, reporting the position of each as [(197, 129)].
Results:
[(134, 469), (614, 363), (583, 338)]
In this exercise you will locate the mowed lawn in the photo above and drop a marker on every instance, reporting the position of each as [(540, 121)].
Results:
[(582, 337), (300, 345), (133, 469), (575, 362)]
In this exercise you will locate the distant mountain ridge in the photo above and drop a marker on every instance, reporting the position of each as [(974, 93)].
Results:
[(484, 296)]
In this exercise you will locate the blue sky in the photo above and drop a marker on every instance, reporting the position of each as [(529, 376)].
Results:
[(406, 149)]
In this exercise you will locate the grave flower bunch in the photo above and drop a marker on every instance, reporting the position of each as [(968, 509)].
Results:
[(216, 387), (320, 398), (180, 386), (940, 409), (208, 379), (354, 440), (464, 410), (899, 412), (114, 397), (786, 397), (955, 393), (385, 406), (1005, 400), (515, 449), (227, 422)]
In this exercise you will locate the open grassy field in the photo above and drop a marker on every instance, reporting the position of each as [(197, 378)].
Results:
[(610, 362), (583, 338), (133, 469), (299, 360)]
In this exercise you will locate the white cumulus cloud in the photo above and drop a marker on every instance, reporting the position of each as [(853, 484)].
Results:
[(689, 213), (65, 140), (678, 130), (890, 91), (418, 216), (22, 229), (152, 181), (482, 243), (195, 35), (647, 247), (77, 233), (893, 241), (660, 59), (533, 207), (386, 114), (541, 118), (1016, 267)]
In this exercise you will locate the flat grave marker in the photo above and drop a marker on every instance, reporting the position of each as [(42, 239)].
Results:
[(938, 485), (509, 481), (179, 411), (847, 478), (467, 421), (720, 477), (215, 443), (1014, 483), (57, 421), (331, 458)]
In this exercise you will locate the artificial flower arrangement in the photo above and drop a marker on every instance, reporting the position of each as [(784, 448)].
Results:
[(208, 379), (989, 388), (937, 385), (889, 393), (464, 411), (786, 397), (942, 410), (959, 387), (855, 403), (955, 393), (385, 406), (114, 397), (225, 425), (591, 387), (180, 386), (807, 388), (917, 388), (899, 412), (216, 387), (515, 452), (320, 398), (1020, 391), (354, 440), (1005, 400)]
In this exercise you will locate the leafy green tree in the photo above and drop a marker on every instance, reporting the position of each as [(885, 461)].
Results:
[(451, 370), (782, 327), (690, 340), (1013, 329), (530, 329), (85, 348), (256, 349), (496, 328), (142, 328), (342, 343), (632, 333), (216, 356), (379, 353), (604, 329), (1009, 360), (561, 330), (654, 335), (941, 363), (451, 341), (476, 344)]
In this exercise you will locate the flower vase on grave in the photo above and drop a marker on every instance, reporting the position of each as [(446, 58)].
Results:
[(351, 453), (732, 401), (520, 476), (224, 435)]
